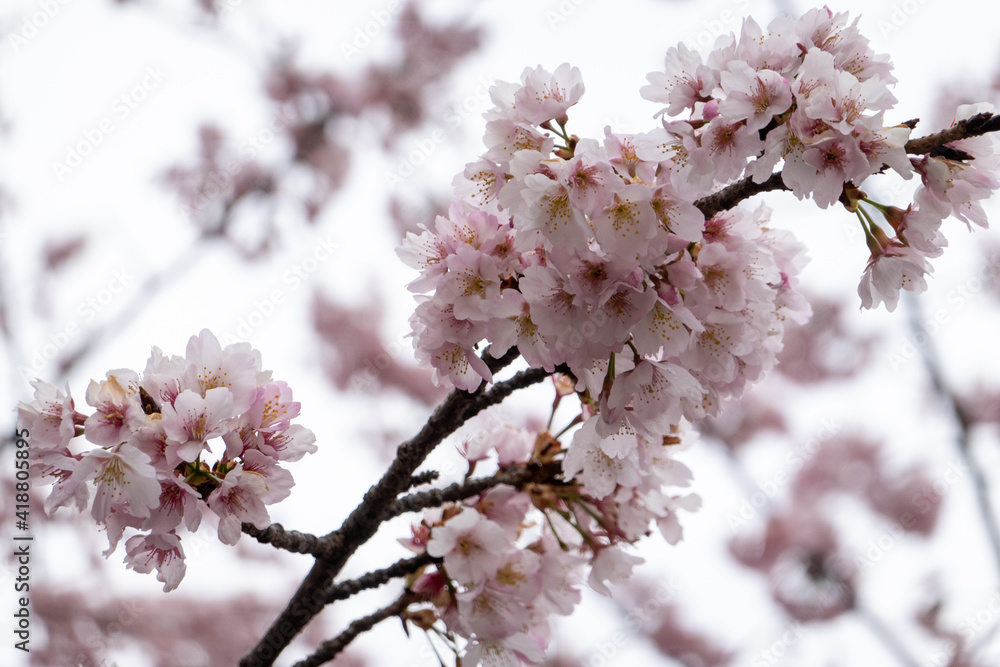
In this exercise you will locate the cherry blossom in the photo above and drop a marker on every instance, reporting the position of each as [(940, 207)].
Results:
[(470, 544), (207, 432), (51, 417)]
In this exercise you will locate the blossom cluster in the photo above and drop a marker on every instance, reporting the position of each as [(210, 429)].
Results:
[(952, 184), (511, 559), (808, 92), (811, 94), (592, 256), (154, 435)]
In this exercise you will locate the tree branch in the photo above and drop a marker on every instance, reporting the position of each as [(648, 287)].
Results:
[(963, 129), (517, 477), (730, 196), (375, 578), (364, 521), (329, 649), (289, 540)]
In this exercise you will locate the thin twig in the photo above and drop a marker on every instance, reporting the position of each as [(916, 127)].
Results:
[(329, 649), (516, 477), (422, 478), (345, 589)]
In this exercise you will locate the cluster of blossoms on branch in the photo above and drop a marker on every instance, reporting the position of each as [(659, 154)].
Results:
[(953, 183), (595, 259), (511, 558), (151, 468), (811, 94)]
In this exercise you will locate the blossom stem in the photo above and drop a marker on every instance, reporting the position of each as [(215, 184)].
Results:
[(552, 527), (574, 422)]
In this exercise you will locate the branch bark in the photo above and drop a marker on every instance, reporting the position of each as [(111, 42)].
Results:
[(279, 538), (970, 127)]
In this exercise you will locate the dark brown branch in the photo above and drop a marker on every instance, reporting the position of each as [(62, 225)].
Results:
[(289, 540), (517, 477), (329, 649), (422, 478), (728, 197), (364, 521), (963, 129), (345, 589)]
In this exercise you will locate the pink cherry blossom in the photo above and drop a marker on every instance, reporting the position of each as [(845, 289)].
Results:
[(470, 544), (161, 551), (210, 367), (891, 268), (753, 95), (50, 418), (239, 499), (289, 445), (193, 420), (611, 566), (273, 408), (118, 411), (684, 82), (125, 481), (545, 96)]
